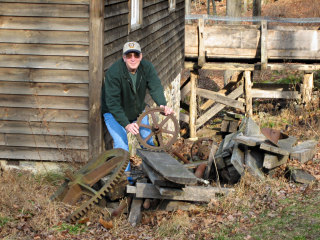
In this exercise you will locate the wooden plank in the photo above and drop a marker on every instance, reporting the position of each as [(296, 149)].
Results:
[(95, 76), (247, 93), (193, 105), (116, 9), (237, 76), (48, 128), (21, 101), (114, 34), (259, 93), (48, 62), (44, 49), (50, 1), (229, 66), (219, 98), (44, 23), (41, 89), (218, 107), (135, 214), (115, 22), (40, 114), (201, 47), (42, 154), (43, 141), (190, 193), (44, 10), (264, 48), (44, 75), (49, 37), (298, 67), (167, 166)]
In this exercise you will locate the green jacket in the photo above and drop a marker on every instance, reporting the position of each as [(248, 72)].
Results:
[(118, 96)]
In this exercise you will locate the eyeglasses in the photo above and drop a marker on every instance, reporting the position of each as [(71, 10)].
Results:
[(132, 54)]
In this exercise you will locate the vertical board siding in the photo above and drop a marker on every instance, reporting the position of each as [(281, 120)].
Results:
[(44, 80)]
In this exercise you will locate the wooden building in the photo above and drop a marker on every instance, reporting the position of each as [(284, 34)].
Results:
[(53, 55)]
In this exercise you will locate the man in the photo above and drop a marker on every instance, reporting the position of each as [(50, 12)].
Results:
[(123, 94)]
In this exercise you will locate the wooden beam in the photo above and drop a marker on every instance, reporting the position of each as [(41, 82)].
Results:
[(218, 107), (189, 193), (251, 67), (260, 93), (201, 47), (219, 98), (307, 87), (193, 105), (264, 45), (95, 76), (234, 79), (247, 90)]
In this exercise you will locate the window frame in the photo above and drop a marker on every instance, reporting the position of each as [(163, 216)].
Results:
[(138, 18)]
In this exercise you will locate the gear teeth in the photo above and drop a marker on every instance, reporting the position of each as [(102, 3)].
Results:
[(120, 167)]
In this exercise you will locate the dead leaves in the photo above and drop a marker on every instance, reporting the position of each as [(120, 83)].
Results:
[(106, 224)]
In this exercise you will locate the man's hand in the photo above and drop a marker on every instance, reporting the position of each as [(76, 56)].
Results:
[(133, 128), (167, 110)]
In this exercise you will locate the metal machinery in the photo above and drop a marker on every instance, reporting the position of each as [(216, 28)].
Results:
[(112, 164)]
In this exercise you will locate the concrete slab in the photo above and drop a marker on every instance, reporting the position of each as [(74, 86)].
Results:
[(250, 141), (273, 149), (304, 151), (167, 167), (237, 159), (157, 179), (272, 161), (287, 143), (254, 162), (301, 176)]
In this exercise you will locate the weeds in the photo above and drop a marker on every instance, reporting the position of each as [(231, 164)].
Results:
[(3, 221), (71, 229)]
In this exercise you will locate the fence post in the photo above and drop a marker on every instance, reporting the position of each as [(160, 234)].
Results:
[(307, 87), (247, 93), (264, 47), (201, 47), (96, 31), (193, 105)]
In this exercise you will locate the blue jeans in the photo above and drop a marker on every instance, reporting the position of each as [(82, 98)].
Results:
[(119, 134)]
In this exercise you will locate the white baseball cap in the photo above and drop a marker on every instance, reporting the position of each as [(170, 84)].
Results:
[(131, 47)]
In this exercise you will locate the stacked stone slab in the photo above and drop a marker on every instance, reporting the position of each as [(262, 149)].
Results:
[(249, 149)]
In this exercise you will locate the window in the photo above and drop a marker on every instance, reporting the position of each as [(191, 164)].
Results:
[(135, 14), (172, 5)]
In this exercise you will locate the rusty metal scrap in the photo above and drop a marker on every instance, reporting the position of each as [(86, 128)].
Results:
[(159, 124), (81, 183)]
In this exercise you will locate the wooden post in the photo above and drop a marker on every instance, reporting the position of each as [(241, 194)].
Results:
[(247, 91), (96, 32), (264, 50), (245, 6), (187, 7), (256, 8), (193, 105), (307, 87), (201, 47)]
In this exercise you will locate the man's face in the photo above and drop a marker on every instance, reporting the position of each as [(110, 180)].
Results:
[(132, 60)]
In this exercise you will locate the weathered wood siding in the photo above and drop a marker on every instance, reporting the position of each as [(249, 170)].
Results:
[(161, 35), (241, 41), (44, 49)]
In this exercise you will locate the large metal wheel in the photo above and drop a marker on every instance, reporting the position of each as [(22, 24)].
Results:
[(164, 130)]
